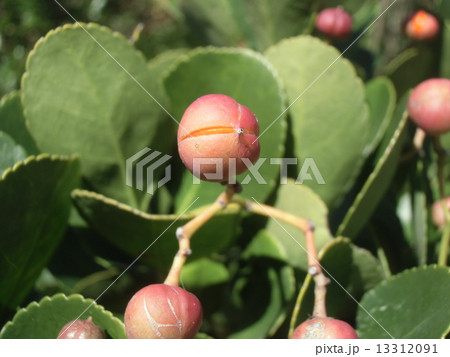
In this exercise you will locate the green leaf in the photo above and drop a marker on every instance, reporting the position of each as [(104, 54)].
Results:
[(10, 152), (381, 97), (211, 22), (34, 208), (387, 157), (302, 202), (411, 67), (329, 115), (77, 99), (12, 122), (202, 273), (250, 80), (134, 231), (412, 304), (164, 62), (445, 56), (264, 22), (351, 270), (46, 318), (378, 181), (269, 283)]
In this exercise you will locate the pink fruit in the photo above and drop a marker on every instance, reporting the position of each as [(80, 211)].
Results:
[(215, 136), (324, 327), (422, 26), (334, 22), (438, 212), (81, 329), (163, 311), (429, 106)]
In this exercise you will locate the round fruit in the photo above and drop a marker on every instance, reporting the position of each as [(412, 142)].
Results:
[(334, 22), (81, 329), (438, 212), (429, 106), (163, 311), (324, 327), (215, 137), (422, 26)]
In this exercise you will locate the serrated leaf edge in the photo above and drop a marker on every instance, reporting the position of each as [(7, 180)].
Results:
[(37, 158), (359, 82), (148, 216), (48, 299), (374, 173), (73, 26)]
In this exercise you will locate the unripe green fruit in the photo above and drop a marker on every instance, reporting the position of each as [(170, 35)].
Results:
[(324, 327), (163, 311), (429, 106), (334, 22), (81, 329), (422, 26), (215, 136)]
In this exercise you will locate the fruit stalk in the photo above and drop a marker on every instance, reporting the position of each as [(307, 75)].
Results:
[(185, 233), (445, 240), (307, 227)]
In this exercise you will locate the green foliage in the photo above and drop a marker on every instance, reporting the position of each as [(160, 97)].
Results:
[(32, 220), (327, 109), (46, 318), (413, 304), (137, 232), (104, 115), (387, 157)]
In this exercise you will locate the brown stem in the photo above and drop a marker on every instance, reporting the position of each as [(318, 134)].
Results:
[(419, 138), (185, 233), (307, 227), (441, 153), (445, 240)]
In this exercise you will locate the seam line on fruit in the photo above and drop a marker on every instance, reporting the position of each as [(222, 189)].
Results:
[(179, 323), (324, 71)]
